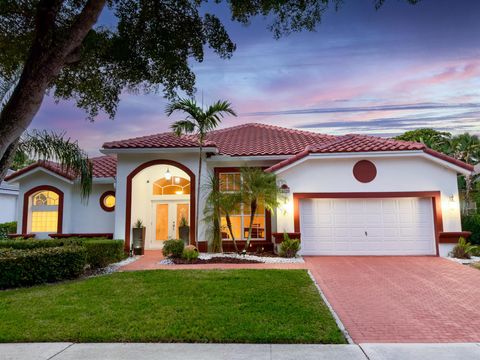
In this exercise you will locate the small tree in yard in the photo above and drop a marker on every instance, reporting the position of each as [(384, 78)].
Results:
[(258, 187), (199, 123)]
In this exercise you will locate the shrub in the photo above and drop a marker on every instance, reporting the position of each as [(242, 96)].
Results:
[(40, 265), (101, 253), (472, 223), (190, 253), (173, 248), (21, 244), (289, 247), (7, 228), (463, 250)]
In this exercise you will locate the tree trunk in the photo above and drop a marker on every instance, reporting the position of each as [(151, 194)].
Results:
[(230, 230), (198, 193), (7, 159), (43, 64), (253, 210)]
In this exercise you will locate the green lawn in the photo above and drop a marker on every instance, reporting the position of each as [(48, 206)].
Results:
[(254, 306)]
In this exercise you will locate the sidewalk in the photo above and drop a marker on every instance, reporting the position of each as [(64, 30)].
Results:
[(150, 351)]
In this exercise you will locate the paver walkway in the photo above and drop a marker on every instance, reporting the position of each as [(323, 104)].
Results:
[(401, 299), (151, 259)]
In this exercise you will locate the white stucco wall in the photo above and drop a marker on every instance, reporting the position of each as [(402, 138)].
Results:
[(126, 163), (8, 207), (78, 217), (394, 174)]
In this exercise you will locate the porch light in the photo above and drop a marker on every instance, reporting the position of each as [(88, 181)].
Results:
[(168, 175), (179, 192), (284, 189), (451, 202), (176, 180)]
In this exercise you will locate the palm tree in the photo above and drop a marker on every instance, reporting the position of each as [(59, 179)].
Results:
[(43, 145), (220, 203), (466, 147), (198, 122), (258, 187)]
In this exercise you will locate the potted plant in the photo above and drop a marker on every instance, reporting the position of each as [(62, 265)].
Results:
[(138, 236), (184, 230)]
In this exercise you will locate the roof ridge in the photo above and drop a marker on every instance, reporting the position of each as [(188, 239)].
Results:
[(270, 126)]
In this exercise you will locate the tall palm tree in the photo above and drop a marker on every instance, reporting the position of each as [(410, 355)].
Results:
[(259, 187), (198, 122), (220, 204)]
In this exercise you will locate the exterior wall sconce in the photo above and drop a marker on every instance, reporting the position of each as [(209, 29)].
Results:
[(284, 189)]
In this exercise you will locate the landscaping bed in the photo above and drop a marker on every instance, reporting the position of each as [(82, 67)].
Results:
[(241, 306), (216, 260)]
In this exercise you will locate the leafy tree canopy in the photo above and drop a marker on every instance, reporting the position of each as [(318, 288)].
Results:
[(148, 49), (436, 140)]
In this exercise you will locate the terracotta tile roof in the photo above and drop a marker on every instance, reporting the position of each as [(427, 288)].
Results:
[(163, 140), (261, 139), (103, 166), (364, 143), (243, 140)]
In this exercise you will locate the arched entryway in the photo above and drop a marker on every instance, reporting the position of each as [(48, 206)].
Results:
[(42, 211), (160, 193)]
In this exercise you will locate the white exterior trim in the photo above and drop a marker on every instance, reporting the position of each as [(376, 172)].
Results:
[(40, 169), (228, 158), (379, 154)]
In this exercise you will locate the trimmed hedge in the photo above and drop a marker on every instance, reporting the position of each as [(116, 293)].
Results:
[(472, 223), (40, 265), (24, 244), (7, 228), (101, 253)]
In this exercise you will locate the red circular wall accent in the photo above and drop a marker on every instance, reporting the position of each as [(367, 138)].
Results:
[(102, 199), (364, 171)]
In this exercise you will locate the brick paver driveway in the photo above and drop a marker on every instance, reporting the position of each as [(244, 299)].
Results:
[(402, 299)]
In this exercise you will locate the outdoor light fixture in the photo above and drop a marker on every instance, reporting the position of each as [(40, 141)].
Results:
[(179, 192), (176, 180), (451, 202), (284, 189), (168, 175)]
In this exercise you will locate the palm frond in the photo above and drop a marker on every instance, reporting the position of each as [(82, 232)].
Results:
[(44, 145), (7, 85), (187, 106), (183, 127)]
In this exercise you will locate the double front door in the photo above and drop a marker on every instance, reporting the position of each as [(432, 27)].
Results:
[(167, 216)]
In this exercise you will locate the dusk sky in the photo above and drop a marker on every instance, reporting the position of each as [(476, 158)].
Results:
[(363, 71)]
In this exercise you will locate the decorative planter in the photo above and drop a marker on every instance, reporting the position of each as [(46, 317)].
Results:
[(184, 233), (138, 240)]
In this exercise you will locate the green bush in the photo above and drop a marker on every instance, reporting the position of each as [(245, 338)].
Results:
[(190, 253), (101, 253), (21, 244), (463, 250), (173, 248), (289, 247), (7, 228), (40, 265), (472, 223)]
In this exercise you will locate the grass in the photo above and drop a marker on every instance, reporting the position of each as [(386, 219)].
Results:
[(242, 306)]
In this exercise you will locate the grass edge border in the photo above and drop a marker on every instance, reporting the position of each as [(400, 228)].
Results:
[(337, 319)]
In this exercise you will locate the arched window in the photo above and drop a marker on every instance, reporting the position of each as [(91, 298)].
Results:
[(176, 185), (44, 211)]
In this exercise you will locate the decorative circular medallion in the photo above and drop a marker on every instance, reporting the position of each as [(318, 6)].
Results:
[(107, 201), (364, 171)]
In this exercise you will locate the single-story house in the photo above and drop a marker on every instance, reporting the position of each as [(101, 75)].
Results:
[(8, 200), (345, 195)]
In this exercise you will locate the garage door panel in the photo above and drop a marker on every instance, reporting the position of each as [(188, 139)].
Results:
[(397, 226)]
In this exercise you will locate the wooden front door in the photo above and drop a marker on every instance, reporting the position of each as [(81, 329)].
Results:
[(161, 222)]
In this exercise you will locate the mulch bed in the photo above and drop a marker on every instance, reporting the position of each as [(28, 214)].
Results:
[(216, 260)]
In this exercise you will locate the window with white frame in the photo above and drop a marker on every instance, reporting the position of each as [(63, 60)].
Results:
[(240, 218)]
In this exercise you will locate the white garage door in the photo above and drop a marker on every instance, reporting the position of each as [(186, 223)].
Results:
[(397, 226)]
